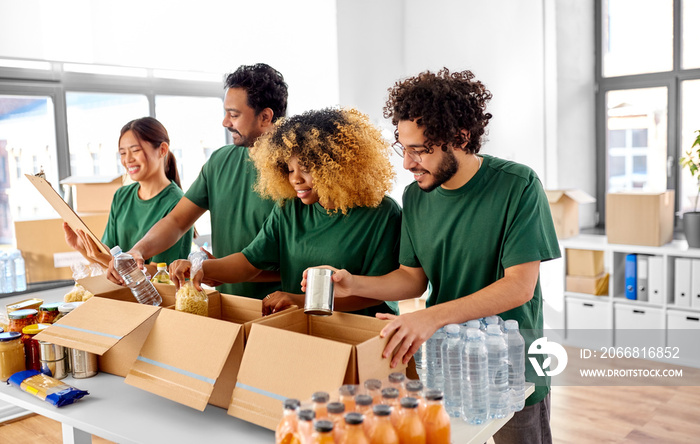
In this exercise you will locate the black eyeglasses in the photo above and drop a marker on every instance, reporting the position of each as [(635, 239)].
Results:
[(413, 154)]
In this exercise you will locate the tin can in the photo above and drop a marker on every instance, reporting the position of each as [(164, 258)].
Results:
[(319, 292), (83, 364), (54, 359)]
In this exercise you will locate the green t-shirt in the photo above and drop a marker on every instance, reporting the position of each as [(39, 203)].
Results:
[(464, 239), (225, 188), (130, 218), (296, 236)]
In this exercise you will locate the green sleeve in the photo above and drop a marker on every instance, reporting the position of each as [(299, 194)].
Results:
[(264, 251)]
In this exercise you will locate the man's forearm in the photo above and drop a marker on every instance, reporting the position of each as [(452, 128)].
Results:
[(400, 284)]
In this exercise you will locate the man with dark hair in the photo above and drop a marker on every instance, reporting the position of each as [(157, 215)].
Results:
[(256, 96), (474, 226)]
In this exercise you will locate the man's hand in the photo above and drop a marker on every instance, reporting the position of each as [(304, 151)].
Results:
[(180, 270), (280, 300), (407, 333)]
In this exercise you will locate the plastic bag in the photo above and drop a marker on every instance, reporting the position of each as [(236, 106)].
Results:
[(46, 387), (78, 293), (188, 299)]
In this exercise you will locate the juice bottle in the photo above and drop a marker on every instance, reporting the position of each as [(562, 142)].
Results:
[(410, 428), (363, 405), (336, 410), (287, 427), (397, 380), (305, 425), (435, 419), (346, 394), (390, 397), (373, 387), (414, 389), (354, 432), (320, 400), (382, 431), (323, 432)]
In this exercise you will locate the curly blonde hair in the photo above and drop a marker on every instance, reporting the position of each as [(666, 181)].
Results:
[(346, 156)]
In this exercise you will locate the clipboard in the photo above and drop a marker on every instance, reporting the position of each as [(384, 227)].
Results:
[(63, 209)]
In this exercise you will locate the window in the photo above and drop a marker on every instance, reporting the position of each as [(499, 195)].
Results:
[(648, 75)]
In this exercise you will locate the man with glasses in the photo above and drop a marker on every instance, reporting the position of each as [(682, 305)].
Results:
[(256, 96), (475, 227)]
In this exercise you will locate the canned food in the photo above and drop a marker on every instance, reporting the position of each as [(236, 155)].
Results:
[(21, 318), (319, 292), (83, 364), (54, 359)]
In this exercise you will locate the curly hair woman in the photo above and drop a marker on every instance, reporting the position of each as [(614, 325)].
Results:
[(329, 171)]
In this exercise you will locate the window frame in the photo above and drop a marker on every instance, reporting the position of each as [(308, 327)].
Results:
[(672, 80)]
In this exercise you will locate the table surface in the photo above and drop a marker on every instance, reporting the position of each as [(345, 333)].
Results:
[(122, 413)]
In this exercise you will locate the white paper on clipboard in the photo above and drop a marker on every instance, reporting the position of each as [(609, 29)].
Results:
[(63, 209)]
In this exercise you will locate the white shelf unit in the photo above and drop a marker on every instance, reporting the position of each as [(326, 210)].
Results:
[(614, 320)]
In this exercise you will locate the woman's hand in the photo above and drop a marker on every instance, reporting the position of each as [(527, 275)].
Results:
[(280, 300), (80, 241), (343, 281), (180, 270)]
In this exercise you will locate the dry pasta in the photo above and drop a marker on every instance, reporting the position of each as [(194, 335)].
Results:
[(189, 300)]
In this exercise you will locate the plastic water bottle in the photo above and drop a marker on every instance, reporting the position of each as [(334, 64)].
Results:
[(135, 279), (434, 378), (516, 365), (421, 358), (8, 274), (451, 353), (20, 271), (499, 397), (493, 320), (475, 383)]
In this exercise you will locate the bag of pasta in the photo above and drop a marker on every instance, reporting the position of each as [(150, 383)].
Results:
[(188, 298)]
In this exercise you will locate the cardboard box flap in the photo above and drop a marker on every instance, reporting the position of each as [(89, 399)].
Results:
[(82, 180), (95, 327), (355, 330), (183, 356), (243, 310), (266, 371), (100, 284), (579, 196)]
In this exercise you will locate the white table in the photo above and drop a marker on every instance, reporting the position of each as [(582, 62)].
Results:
[(122, 413)]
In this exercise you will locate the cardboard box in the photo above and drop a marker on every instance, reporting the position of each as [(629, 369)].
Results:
[(638, 218), (92, 194), (589, 263), (114, 330), (46, 254), (563, 205), (596, 285), (294, 355)]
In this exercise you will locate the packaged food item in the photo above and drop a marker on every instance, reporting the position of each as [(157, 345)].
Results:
[(48, 313), (410, 427), (354, 432), (346, 395), (77, 294), (287, 428), (11, 354), (65, 308), (83, 364), (34, 303), (188, 298), (162, 276), (32, 353), (382, 430), (435, 418), (320, 402), (54, 360), (21, 318), (46, 387)]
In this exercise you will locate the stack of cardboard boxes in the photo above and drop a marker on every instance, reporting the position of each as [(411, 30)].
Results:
[(585, 272)]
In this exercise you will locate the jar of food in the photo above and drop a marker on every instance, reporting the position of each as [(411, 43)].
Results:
[(32, 353), (66, 307), (48, 313), (11, 354), (21, 318)]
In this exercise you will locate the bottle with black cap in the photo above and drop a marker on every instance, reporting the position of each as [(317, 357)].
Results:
[(288, 425), (382, 430), (410, 427), (323, 432), (354, 432)]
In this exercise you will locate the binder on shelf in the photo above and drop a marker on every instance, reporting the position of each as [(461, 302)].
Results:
[(642, 278), (681, 287), (656, 281), (631, 276), (695, 283)]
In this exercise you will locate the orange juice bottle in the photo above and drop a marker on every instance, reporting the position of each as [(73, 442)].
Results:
[(435, 419), (397, 380), (319, 400), (382, 431), (346, 395), (414, 389), (305, 425), (390, 397), (363, 405), (288, 425), (354, 432), (373, 387), (410, 429), (336, 410), (323, 432)]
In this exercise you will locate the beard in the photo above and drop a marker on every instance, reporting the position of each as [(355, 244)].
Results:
[(242, 140), (445, 171)]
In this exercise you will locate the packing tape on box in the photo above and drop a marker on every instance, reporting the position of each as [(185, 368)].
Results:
[(92, 332), (176, 370), (260, 391)]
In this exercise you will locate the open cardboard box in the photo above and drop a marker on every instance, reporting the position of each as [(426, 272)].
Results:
[(293, 355), (114, 330)]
